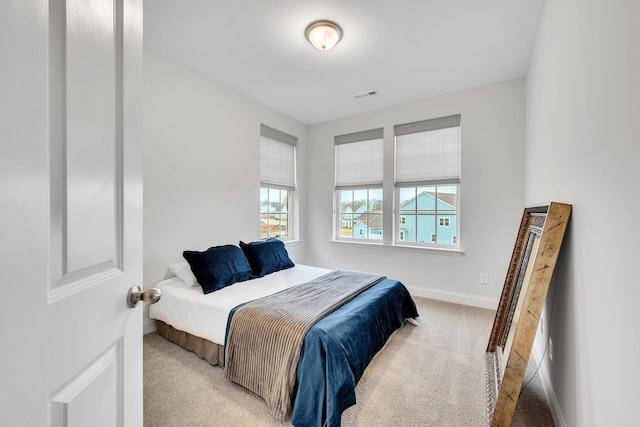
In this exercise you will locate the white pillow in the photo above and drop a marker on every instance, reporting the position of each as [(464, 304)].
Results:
[(184, 273)]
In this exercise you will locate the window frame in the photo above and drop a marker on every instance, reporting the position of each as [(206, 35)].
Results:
[(288, 213), (429, 155), (339, 220), (279, 176), (437, 147), (428, 243), (359, 166)]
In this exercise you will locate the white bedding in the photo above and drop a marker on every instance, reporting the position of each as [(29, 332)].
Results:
[(186, 308)]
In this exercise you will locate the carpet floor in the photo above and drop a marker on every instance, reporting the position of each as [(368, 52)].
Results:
[(429, 375)]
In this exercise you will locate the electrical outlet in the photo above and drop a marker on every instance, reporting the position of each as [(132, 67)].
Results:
[(550, 349), (484, 278), (326, 258)]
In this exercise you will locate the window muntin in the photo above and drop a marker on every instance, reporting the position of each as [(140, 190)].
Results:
[(360, 214), (429, 215), (275, 213)]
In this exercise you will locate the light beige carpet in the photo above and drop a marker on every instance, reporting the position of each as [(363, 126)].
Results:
[(430, 375)]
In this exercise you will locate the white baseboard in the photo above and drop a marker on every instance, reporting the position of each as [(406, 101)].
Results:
[(454, 297), (554, 406), (148, 326)]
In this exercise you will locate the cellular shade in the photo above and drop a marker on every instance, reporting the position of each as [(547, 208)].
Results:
[(277, 158), (428, 152), (359, 159)]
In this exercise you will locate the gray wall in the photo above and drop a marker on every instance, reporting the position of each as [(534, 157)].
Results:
[(492, 195), (201, 165), (582, 147), (202, 180)]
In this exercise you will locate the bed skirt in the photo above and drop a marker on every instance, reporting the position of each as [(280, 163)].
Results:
[(203, 348)]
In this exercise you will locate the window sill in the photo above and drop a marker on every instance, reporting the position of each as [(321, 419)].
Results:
[(401, 248), (292, 242)]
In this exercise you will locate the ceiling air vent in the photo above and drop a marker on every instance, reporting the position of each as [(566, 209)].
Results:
[(365, 94)]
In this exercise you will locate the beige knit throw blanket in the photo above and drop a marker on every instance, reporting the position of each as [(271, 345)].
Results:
[(265, 336)]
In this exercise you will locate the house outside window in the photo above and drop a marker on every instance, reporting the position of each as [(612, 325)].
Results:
[(358, 186), (427, 181), (360, 213), (429, 213), (275, 214), (277, 183)]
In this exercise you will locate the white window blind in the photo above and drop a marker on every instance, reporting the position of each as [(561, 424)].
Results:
[(428, 152), (359, 159), (277, 158)]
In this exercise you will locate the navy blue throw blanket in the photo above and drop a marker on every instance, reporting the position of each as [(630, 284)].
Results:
[(338, 348)]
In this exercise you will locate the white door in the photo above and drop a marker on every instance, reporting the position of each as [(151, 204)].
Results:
[(71, 212)]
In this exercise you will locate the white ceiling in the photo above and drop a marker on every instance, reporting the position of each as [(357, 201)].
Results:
[(404, 49)]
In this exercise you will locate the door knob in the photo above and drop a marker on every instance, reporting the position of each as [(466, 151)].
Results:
[(150, 296)]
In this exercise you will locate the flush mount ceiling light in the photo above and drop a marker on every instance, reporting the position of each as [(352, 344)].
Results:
[(323, 34)]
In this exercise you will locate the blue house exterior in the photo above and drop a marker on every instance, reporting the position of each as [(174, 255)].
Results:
[(368, 226), (425, 219)]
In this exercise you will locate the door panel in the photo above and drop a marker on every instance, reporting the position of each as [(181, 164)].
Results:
[(71, 199), (96, 387), (91, 131), (85, 142)]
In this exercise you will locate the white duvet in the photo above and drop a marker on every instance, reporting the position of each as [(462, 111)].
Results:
[(186, 308)]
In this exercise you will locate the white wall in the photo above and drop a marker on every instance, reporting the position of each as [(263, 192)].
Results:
[(201, 167), (492, 195), (582, 147)]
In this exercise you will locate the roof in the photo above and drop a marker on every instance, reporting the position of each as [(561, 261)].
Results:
[(370, 219), (448, 198)]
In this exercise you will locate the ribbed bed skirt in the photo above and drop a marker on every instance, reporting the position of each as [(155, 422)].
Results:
[(207, 350)]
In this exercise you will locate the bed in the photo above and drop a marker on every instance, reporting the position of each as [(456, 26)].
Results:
[(335, 350)]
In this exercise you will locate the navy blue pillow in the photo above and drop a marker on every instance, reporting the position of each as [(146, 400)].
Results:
[(266, 256), (218, 266)]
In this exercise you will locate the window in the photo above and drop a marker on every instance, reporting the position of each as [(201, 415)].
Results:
[(274, 213), (277, 182), (422, 207), (360, 214), (427, 178), (358, 186)]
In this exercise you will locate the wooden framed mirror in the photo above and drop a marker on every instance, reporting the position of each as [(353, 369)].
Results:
[(525, 289)]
